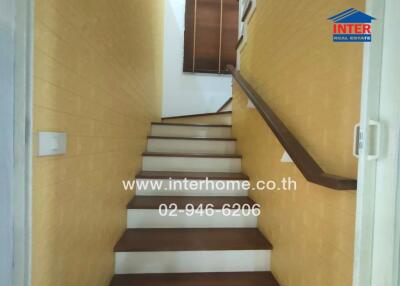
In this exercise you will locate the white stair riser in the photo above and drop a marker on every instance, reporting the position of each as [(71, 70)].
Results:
[(143, 218), (165, 187), (191, 131), (192, 261), (209, 119), (191, 146), (191, 164)]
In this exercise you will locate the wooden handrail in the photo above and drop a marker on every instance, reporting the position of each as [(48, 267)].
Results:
[(303, 160)]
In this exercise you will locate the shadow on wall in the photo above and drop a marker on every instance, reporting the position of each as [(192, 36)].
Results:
[(186, 93)]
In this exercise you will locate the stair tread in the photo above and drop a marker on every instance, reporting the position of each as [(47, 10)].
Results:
[(197, 115), (192, 155), (192, 125), (192, 239), (191, 138), (191, 175), (153, 202), (196, 279)]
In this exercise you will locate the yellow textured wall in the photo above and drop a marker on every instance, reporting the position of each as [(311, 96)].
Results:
[(313, 84), (98, 77)]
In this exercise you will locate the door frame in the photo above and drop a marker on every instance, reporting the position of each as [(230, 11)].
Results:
[(22, 173), (7, 31), (377, 244)]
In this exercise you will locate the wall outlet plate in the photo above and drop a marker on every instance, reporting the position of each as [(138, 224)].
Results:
[(52, 143)]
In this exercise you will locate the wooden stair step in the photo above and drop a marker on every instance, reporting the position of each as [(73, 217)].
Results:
[(191, 175), (190, 155), (154, 202), (197, 115), (196, 279), (191, 239), (191, 138), (191, 125)]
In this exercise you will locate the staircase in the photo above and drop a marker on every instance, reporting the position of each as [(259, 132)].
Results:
[(195, 249)]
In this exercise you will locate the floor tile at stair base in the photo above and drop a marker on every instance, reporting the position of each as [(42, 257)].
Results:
[(192, 261), (141, 218)]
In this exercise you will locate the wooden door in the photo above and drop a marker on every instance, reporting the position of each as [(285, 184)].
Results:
[(211, 29)]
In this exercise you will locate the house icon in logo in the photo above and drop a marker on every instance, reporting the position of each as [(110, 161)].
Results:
[(352, 25)]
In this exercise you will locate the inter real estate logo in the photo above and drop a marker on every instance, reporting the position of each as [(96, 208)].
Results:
[(352, 26)]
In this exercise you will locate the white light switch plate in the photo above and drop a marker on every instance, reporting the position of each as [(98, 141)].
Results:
[(52, 143)]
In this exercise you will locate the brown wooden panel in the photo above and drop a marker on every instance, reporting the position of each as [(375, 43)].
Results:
[(192, 125), (191, 138), (189, 36), (229, 33), (190, 155), (192, 239), (211, 29), (207, 35), (196, 279)]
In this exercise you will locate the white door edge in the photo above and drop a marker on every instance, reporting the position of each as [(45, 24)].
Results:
[(377, 239), (22, 200)]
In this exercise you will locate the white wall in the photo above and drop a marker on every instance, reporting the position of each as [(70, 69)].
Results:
[(186, 93)]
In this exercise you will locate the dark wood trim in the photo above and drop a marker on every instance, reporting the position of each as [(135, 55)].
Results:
[(224, 105), (191, 155), (211, 31), (206, 71), (255, 278), (192, 239), (192, 175), (192, 125), (239, 42), (247, 10), (190, 138), (197, 115), (303, 160)]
